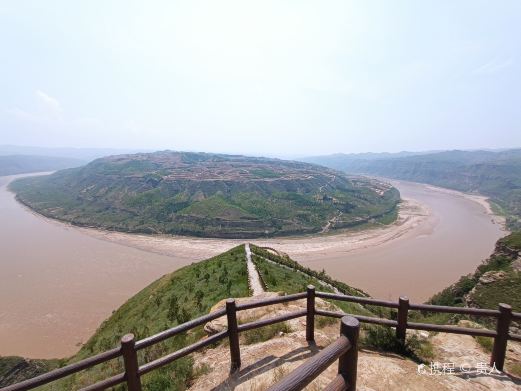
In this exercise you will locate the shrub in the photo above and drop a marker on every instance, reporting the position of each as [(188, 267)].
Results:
[(265, 333), (384, 339)]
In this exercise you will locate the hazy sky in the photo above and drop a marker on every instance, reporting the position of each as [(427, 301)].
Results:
[(265, 77)]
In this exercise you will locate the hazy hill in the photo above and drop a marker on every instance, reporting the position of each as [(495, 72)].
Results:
[(208, 195), (496, 174), (84, 154), (21, 164)]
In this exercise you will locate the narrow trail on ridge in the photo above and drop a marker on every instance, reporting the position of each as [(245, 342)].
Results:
[(253, 275)]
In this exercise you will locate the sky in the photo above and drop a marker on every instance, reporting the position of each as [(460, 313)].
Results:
[(279, 78)]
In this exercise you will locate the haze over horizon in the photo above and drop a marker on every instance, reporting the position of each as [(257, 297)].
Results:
[(286, 79)]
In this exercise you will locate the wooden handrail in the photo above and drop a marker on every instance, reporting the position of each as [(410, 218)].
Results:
[(344, 349), (361, 318), (310, 313), (162, 361), (337, 384), (159, 337), (128, 348), (104, 384), (501, 339), (308, 371), (501, 335), (357, 299), (454, 310), (276, 319), (271, 301)]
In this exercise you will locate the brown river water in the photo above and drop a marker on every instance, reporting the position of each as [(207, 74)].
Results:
[(455, 238), (58, 283)]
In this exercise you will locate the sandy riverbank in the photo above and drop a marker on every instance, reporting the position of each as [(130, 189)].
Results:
[(481, 200), (411, 216)]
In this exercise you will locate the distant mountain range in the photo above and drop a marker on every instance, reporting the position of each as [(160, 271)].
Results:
[(495, 174), (84, 154), (22, 164)]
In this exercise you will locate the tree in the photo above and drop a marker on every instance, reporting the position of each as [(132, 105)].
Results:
[(173, 308)]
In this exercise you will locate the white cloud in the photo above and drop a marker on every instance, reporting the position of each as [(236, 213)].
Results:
[(44, 110), (493, 66), (50, 106)]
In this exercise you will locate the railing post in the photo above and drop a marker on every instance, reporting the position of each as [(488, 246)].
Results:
[(403, 312), (500, 341), (233, 335), (347, 364), (310, 316), (130, 361)]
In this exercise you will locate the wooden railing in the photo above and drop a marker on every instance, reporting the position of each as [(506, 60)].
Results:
[(343, 349)]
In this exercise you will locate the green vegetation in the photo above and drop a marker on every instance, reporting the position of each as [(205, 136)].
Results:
[(265, 333), (507, 289), (495, 281), (384, 339), (514, 369), (313, 277), (494, 174), (294, 278), (512, 241), (486, 343), (208, 195)]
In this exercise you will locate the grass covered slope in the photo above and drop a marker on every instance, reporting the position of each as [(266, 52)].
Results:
[(173, 299), (208, 195), (497, 280)]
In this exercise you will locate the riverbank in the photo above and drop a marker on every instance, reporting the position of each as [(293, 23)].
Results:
[(410, 216)]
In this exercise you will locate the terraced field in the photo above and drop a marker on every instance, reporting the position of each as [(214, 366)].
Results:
[(209, 195)]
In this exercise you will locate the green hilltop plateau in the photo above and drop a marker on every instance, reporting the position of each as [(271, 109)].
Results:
[(209, 195)]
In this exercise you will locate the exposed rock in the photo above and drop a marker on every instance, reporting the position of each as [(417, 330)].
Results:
[(517, 264), (492, 276), (487, 278), (503, 249), (420, 334)]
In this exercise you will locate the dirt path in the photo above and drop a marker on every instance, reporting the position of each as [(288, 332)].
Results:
[(253, 274)]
